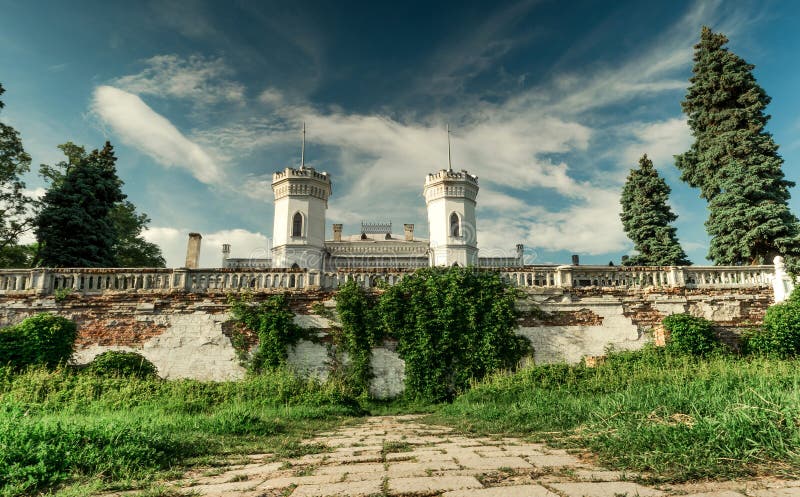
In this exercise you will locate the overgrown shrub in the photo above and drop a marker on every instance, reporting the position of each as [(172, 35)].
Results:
[(122, 364), (780, 334), (273, 321), (690, 334), (43, 339), (453, 326)]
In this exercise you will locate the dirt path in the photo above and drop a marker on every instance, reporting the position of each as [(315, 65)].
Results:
[(397, 455)]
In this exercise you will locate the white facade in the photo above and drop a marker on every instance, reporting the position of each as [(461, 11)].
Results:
[(298, 238), (298, 233), (451, 197)]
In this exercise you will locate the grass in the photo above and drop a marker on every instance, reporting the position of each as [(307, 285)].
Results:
[(678, 417), (66, 428)]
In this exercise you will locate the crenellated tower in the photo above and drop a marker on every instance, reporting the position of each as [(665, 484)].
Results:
[(298, 233), (451, 199)]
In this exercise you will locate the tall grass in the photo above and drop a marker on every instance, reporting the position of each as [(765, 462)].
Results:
[(59, 427), (677, 416)]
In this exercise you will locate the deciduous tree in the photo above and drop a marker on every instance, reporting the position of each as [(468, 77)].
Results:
[(14, 203)]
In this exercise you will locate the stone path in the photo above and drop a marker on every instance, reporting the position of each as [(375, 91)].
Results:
[(399, 456)]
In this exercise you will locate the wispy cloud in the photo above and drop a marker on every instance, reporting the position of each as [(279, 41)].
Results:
[(527, 142), (139, 126), (199, 79)]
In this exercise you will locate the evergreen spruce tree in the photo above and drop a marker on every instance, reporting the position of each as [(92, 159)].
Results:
[(74, 228), (734, 161), (646, 218)]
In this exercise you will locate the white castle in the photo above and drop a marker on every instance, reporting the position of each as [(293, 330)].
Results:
[(299, 229)]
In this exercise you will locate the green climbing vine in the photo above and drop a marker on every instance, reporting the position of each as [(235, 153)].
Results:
[(358, 333), (273, 322), (452, 326)]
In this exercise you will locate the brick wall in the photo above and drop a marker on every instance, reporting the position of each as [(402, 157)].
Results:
[(187, 335)]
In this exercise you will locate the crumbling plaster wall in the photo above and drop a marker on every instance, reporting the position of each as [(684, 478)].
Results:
[(187, 335)]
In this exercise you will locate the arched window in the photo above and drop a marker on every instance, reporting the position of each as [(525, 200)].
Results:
[(297, 225), (455, 225)]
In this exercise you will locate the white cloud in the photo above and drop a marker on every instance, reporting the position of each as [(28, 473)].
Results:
[(173, 243), (141, 127), (515, 146), (202, 80), (659, 140)]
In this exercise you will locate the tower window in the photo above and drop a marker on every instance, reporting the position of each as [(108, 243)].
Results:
[(455, 225), (297, 225)]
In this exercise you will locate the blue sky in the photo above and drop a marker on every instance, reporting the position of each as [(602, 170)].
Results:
[(550, 104)]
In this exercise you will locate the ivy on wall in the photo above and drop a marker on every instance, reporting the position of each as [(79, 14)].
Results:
[(273, 322), (453, 326), (358, 333)]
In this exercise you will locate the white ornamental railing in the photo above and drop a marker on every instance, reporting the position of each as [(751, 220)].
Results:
[(43, 281)]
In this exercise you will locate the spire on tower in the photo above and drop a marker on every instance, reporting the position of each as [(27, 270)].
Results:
[(303, 148), (449, 162)]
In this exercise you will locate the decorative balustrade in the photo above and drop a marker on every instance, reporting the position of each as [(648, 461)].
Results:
[(94, 281)]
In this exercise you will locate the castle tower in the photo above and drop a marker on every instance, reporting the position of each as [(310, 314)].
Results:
[(451, 198), (298, 233)]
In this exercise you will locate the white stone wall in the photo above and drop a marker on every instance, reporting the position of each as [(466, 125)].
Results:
[(192, 346)]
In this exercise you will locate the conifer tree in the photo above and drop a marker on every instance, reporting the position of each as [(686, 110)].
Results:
[(74, 228), (646, 218), (734, 160)]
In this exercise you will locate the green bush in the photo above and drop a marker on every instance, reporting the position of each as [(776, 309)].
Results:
[(125, 364), (690, 335), (43, 339), (780, 335)]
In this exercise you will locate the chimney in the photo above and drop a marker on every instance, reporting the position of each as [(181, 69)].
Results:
[(226, 253), (576, 260), (409, 231), (193, 251), (337, 232)]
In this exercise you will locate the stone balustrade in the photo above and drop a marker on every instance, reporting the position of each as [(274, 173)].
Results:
[(100, 280)]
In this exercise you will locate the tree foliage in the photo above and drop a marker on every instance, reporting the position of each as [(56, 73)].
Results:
[(131, 249), (14, 203), (123, 223), (74, 228), (734, 160), (647, 217), (453, 326)]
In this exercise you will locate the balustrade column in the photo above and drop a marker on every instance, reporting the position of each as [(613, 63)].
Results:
[(564, 276)]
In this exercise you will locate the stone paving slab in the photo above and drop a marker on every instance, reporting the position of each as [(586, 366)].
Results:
[(349, 489), (357, 461), (419, 485), (721, 493), (777, 492), (515, 491), (605, 489)]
